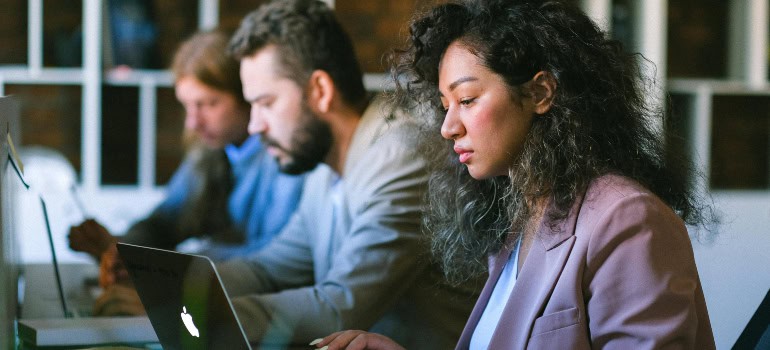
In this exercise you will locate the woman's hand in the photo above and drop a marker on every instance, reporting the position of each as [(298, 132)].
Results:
[(90, 237), (356, 340)]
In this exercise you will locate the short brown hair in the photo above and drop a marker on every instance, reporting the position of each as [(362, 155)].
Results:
[(308, 37)]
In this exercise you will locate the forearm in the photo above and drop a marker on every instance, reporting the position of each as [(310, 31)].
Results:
[(153, 232), (289, 317), (363, 286), (242, 277)]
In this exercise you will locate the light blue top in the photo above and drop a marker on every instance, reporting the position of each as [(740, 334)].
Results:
[(500, 295), (261, 202)]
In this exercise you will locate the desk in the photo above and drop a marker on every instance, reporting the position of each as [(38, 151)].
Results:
[(40, 303), (106, 347), (40, 296), (152, 347), (41, 300)]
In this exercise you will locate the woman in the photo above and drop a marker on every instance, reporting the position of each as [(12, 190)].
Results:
[(551, 165), (228, 191)]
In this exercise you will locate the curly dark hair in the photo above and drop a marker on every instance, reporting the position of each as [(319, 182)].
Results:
[(308, 37), (600, 122)]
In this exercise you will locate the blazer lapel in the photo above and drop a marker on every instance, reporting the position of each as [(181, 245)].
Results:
[(497, 263), (535, 283)]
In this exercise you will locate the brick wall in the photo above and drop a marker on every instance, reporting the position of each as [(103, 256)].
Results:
[(51, 114), (377, 27), (13, 32)]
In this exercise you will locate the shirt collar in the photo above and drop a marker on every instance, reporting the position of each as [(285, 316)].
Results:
[(236, 153)]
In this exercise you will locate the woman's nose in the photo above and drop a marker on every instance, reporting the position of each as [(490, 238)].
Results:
[(452, 128)]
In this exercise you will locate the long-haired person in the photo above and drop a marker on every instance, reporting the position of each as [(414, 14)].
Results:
[(228, 192), (546, 158)]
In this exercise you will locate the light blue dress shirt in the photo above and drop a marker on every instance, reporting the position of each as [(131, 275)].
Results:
[(491, 316), (261, 202)]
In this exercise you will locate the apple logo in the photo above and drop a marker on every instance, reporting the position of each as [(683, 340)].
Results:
[(188, 323)]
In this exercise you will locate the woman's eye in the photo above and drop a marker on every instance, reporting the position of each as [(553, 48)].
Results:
[(466, 101)]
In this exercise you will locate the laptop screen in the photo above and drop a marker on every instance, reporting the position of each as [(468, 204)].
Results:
[(756, 335), (9, 260), (184, 299)]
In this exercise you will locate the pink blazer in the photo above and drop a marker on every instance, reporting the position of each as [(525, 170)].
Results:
[(618, 273)]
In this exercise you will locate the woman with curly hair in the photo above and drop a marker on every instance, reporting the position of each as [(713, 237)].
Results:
[(551, 175)]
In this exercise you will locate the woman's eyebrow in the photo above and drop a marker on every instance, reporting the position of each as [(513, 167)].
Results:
[(461, 80)]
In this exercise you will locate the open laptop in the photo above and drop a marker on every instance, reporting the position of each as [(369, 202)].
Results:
[(756, 335), (184, 299), (68, 330), (9, 257)]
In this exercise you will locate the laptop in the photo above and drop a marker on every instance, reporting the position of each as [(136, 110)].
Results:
[(68, 330), (184, 299), (756, 335)]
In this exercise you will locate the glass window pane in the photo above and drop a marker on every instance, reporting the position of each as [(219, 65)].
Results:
[(13, 32), (62, 33), (120, 125), (168, 139), (50, 117), (740, 147), (697, 38)]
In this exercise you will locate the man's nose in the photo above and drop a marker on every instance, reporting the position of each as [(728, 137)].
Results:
[(192, 120), (257, 124)]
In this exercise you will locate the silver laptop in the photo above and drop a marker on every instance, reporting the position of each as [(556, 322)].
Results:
[(184, 299), (65, 328)]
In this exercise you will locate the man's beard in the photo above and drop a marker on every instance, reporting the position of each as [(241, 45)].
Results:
[(310, 143)]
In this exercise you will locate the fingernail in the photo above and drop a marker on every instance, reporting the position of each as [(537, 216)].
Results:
[(324, 348), (314, 342)]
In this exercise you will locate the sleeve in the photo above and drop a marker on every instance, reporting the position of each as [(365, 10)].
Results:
[(374, 263), (159, 229), (641, 278), (284, 263)]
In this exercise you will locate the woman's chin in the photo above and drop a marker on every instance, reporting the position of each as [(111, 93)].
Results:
[(477, 173)]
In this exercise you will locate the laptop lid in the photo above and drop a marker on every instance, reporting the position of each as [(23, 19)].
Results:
[(9, 184), (184, 299), (756, 335)]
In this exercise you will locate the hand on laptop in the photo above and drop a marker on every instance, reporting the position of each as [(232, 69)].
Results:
[(119, 297), (119, 300), (90, 237), (111, 269)]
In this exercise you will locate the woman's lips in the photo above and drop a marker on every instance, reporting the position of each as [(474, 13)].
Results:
[(464, 154)]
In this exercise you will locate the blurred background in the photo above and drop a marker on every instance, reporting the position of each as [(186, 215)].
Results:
[(100, 124)]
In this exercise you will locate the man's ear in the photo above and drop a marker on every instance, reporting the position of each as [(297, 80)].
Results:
[(320, 91), (543, 90)]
